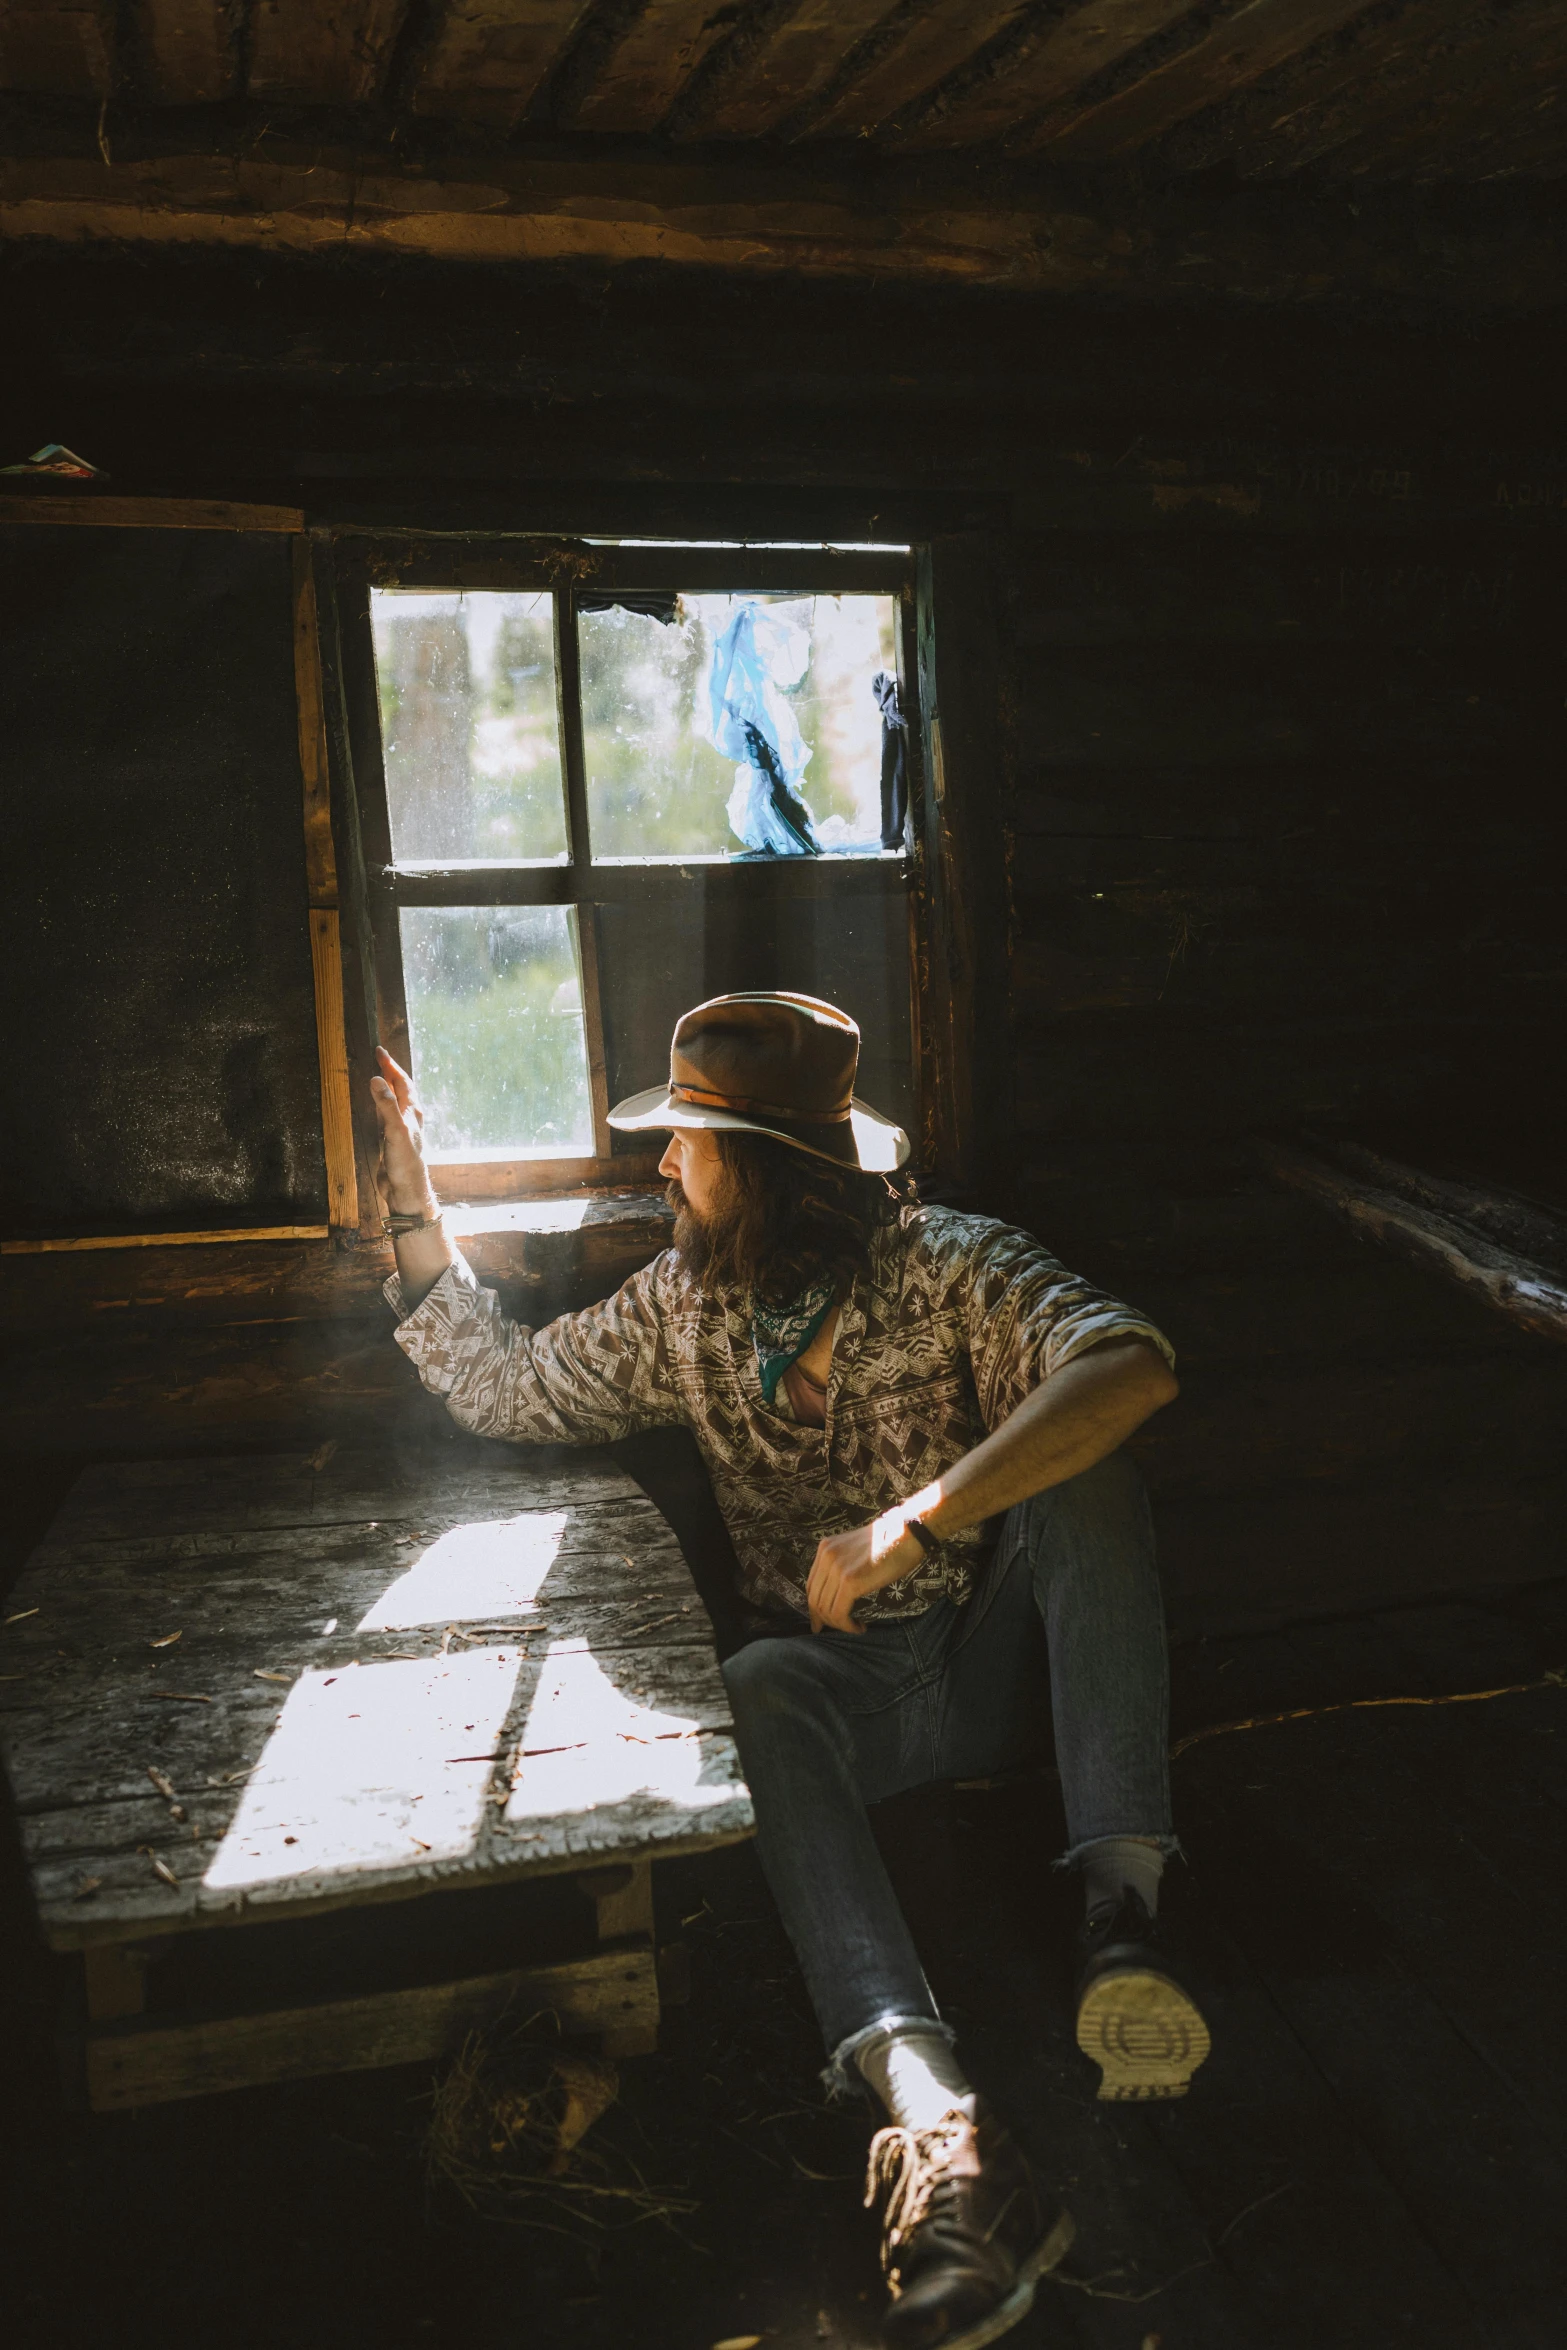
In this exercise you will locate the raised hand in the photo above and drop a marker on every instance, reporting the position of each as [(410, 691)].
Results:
[(401, 1177)]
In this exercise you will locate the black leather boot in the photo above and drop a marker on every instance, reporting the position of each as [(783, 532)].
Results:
[(964, 2236), (1143, 2030)]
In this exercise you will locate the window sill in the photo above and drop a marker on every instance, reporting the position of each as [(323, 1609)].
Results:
[(596, 1208)]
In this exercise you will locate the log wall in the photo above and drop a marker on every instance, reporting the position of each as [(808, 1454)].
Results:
[(1273, 730)]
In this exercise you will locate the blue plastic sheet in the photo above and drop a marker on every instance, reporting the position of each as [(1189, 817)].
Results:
[(761, 653)]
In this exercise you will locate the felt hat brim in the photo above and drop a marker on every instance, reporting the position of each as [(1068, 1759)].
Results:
[(877, 1144)]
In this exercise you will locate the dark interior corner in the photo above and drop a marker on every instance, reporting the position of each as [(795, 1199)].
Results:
[(1163, 400)]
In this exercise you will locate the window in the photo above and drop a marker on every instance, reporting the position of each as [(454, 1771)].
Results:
[(603, 783)]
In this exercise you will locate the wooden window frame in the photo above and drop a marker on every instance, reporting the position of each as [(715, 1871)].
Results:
[(961, 755), (367, 560)]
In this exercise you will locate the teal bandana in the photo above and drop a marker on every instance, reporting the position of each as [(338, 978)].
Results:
[(781, 1334)]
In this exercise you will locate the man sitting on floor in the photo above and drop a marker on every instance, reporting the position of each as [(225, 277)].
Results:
[(911, 1419)]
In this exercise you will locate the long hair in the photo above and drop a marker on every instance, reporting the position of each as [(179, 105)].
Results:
[(787, 1220)]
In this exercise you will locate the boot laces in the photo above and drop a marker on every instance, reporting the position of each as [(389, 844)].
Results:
[(910, 2167)]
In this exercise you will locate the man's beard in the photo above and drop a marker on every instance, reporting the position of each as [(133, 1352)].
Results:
[(704, 1245)]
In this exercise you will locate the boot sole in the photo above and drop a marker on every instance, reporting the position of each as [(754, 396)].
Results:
[(1146, 2036), (1046, 2255)]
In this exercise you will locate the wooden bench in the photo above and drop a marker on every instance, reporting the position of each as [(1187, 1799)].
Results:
[(250, 1694)]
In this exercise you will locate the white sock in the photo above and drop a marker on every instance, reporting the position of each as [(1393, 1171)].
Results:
[(917, 2077), (1111, 1863)]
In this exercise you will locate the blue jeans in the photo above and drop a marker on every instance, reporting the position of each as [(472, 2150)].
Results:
[(829, 1723)]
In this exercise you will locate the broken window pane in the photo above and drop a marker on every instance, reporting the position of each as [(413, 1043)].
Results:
[(657, 787), (495, 1024), (469, 729)]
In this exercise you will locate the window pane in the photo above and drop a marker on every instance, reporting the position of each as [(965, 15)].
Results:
[(851, 946), (469, 730), (495, 1021), (658, 787)]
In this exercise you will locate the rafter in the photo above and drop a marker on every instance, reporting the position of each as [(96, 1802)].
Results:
[(1467, 92), (57, 52), (776, 60), (1240, 48), (188, 50), (1301, 109), (649, 65), (322, 52), (1048, 57), (489, 58), (919, 53)]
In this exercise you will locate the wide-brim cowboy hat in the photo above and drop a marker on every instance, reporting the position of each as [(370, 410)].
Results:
[(776, 1064)]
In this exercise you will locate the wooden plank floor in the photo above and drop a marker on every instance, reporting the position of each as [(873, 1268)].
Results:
[(277, 1685), (1376, 2153)]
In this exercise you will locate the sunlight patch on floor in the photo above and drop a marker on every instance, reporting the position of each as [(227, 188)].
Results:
[(591, 1740), (473, 1573), (372, 1766)]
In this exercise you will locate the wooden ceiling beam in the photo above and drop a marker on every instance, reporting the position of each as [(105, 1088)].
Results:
[(916, 55), (777, 59), (648, 65), (488, 59), (1249, 41), (1469, 90), (1300, 111), (1048, 57), (928, 222), (1533, 148), (322, 52), (54, 51), (188, 50)]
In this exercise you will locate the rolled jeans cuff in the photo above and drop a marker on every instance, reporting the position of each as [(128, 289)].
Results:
[(1170, 1847), (841, 2075)]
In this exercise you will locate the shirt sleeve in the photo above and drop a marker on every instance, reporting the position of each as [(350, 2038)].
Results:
[(584, 1379), (1027, 1315)]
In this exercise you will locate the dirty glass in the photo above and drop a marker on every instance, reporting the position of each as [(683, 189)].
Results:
[(657, 787), (495, 1024), (469, 731)]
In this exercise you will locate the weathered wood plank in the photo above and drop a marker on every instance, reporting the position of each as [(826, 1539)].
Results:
[(1468, 89), (57, 50), (322, 55), (123, 1500), (810, 214), (916, 56), (1395, 487), (1200, 1082), (545, 1256), (151, 2063), (775, 64), (189, 50), (97, 1242), (490, 57), (1531, 1226), (649, 65), (1527, 1293), (1443, 586), (1482, 708), (111, 513), (1376, 810), (1052, 56), (1243, 46), (1243, 1561), (1317, 101), (480, 1687)]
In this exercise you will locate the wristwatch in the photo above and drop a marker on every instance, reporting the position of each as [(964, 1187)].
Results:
[(929, 1543), (395, 1226)]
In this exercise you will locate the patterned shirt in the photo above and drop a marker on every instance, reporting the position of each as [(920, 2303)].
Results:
[(957, 1320)]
